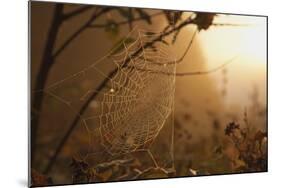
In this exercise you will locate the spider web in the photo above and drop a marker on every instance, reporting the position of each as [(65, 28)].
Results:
[(136, 102), (139, 101)]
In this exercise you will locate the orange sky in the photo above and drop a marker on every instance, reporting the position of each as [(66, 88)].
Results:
[(246, 43)]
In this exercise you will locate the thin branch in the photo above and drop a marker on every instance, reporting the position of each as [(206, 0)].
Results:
[(113, 73), (76, 12), (179, 60), (186, 73), (208, 71), (79, 31), (230, 24), (76, 120), (188, 48), (125, 22), (46, 64), (99, 88)]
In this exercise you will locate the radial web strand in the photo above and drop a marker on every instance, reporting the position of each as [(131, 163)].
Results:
[(134, 105)]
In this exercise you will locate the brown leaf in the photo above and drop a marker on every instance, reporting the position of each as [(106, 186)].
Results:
[(204, 20)]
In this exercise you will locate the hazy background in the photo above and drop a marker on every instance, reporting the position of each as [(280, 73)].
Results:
[(201, 101)]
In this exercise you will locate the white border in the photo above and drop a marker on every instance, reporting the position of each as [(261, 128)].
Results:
[(13, 99)]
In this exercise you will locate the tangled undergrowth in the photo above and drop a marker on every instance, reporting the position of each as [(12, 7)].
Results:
[(240, 148), (244, 150), (116, 170), (250, 148)]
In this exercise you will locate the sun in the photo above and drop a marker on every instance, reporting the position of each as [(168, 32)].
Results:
[(246, 40)]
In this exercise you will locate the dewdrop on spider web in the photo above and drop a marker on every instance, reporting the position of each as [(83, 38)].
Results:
[(133, 117), (135, 105), (130, 112), (111, 90)]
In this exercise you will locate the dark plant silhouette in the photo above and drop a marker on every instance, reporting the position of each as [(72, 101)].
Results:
[(251, 147)]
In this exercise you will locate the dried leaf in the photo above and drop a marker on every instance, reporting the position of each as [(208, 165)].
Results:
[(230, 128), (204, 20)]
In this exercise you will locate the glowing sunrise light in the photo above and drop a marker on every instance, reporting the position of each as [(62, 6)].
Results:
[(246, 40)]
